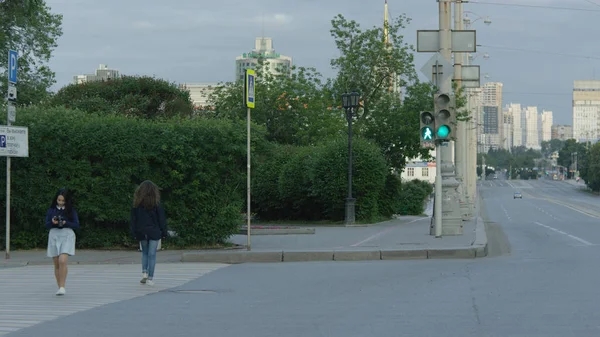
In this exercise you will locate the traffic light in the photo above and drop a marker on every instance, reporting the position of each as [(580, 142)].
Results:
[(427, 127), (445, 117)]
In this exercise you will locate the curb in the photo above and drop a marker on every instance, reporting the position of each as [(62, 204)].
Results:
[(276, 231), (480, 244), (469, 252)]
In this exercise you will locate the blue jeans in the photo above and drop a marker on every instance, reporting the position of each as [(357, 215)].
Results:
[(149, 256)]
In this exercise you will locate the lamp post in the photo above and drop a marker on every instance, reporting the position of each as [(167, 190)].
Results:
[(350, 103)]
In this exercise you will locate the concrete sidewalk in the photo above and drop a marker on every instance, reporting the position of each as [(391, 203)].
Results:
[(403, 238)]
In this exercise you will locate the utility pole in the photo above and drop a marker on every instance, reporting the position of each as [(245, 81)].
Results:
[(451, 214), (460, 144)]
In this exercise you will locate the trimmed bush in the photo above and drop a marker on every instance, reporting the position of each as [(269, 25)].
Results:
[(200, 166), (330, 177), (413, 196), (390, 201)]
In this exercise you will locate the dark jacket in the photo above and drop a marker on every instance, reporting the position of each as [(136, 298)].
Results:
[(72, 221), (148, 224)]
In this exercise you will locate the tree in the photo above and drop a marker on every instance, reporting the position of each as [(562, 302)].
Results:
[(130, 96), (29, 27), (367, 63), (554, 145), (296, 109)]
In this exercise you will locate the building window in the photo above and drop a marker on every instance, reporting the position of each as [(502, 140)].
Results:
[(411, 172), (425, 172)]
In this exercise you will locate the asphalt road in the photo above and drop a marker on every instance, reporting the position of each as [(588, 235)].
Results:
[(541, 280)]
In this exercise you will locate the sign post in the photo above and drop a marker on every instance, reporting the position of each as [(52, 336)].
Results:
[(13, 56), (249, 102)]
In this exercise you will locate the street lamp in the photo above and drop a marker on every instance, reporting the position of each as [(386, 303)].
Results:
[(350, 102)]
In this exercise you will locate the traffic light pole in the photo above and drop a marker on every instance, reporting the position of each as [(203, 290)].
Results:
[(450, 216), (460, 144)]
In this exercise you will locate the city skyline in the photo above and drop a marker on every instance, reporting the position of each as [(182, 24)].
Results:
[(195, 41)]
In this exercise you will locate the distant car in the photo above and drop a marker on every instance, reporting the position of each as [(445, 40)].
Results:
[(518, 195)]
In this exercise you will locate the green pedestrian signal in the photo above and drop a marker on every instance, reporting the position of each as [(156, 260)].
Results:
[(427, 133), (427, 122)]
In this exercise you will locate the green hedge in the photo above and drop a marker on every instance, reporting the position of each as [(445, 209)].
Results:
[(199, 164), (413, 196), (311, 183)]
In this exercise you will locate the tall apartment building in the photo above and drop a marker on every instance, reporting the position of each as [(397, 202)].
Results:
[(546, 126), (508, 129), (103, 73), (514, 109), (532, 137), (493, 118), (263, 49), (562, 132), (586, 110)]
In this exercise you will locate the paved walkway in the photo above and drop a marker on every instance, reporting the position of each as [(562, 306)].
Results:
[(27, 294)]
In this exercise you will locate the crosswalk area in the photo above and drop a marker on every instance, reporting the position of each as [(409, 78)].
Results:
[(27, 294)]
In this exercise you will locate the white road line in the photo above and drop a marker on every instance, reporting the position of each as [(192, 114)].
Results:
[(587, 243), (27, 293), (511, 185), (376, 235)]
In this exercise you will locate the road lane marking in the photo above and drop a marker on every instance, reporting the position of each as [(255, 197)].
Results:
[(376, 235), (587, 243)]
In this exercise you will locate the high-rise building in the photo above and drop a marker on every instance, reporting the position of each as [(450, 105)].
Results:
[(562, 132), (514, 109), (103, 73), (586, 110), (276, 63), (493, 118), (508, 129), (532, 137), (546, 126)]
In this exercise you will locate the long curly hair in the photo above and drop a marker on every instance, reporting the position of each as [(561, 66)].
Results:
[(146, 195)]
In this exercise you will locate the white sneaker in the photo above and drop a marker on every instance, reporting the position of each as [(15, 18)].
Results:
[(144, 278), (150, 282), (61, 291)]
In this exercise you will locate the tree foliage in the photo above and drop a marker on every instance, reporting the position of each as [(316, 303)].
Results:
[(295, 109), (30, 28), (144, 96)]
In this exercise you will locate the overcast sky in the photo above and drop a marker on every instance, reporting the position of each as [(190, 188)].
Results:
[(198, 40)]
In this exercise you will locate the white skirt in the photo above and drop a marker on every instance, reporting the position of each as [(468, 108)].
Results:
[(61, 241)]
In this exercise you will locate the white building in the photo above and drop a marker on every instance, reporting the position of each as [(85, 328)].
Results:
[(103, 73), (508, 129), (200, 92), (532, 137), (546, 123), (586, 110), (263, 49), (420, 169), (516, 112)]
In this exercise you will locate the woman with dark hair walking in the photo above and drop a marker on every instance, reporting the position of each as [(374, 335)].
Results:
[(61, 219), (148, 226)]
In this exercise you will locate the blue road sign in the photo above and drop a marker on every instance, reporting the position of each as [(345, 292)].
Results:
[(2, 140), (12, 66)]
